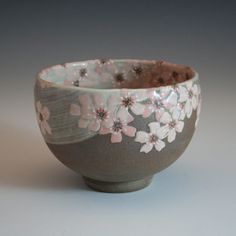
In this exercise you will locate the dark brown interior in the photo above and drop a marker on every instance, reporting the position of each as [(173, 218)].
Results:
[(157, 74)]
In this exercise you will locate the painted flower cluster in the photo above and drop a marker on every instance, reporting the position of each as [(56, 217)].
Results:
[(114, 115)]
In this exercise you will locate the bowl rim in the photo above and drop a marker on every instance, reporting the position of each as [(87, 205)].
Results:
[(68, 64)]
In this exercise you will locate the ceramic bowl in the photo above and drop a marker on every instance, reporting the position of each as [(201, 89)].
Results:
[(117, 122)]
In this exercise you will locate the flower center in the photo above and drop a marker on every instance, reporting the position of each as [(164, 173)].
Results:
[(40, 116), (190, 93), (104, 61), (172, 124), (117, 126), (127, 102), (119, 77), (158, 103), (83, 72), (153, 138), (76, 83), (138, 70), (101, 114), (181, 105)]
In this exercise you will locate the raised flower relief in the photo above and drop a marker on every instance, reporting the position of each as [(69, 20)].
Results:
[(152, 139), (188, 96), (118, 127), (43, 115), (129, 101), (160, 101), (172, 125), (94, 112)]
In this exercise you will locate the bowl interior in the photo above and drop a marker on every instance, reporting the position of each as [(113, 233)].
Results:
[(107, 74)]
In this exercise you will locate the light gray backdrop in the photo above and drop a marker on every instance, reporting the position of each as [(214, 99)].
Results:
[(195, 196)]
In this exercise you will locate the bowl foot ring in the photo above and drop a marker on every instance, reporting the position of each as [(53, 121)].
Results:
[(118, 187)]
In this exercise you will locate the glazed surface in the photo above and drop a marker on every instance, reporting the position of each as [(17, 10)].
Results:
[(117, 128), (117, 74)]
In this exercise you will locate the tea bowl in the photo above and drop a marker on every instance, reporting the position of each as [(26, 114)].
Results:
[(117, 122)]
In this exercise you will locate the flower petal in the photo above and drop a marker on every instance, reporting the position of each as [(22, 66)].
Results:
[(166, 118), (141, 96), (195, 90), (47, 127), (138, 108), (159, 114), (116, 137), (146, 147), (194, 102), (94, 125), (75, 110), (159, 145), (148, 110), (179, 126), (154, 126), (98, 100), (162, 132), (124, 115), (171, 100), (85, 100), (104, 130), (45, 113), (188, 108), (141, 137), (176, 111), (129, 131), (113, 101), (41, 125), (83, 123), (183, 94), (108, 122), (171, 135)]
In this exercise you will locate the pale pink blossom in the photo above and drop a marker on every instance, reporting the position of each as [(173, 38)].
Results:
[(160, 100), (152, 139), (43, 115), (93, 112), (129, 101), (117, 127), (189, 97)]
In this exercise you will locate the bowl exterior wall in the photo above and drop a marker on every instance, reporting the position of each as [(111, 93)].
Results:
[(117, 135)]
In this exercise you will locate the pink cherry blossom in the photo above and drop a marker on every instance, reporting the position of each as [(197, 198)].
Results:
[(152, 139), (43, 115), (93, 112), (129, 101), (160, 100), (116, 129)]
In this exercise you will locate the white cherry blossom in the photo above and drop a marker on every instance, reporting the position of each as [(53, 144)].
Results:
[(152, 139), (159, 101), (188, 95), (172, 125)]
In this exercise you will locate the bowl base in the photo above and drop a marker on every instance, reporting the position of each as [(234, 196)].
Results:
[(118, 187)]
